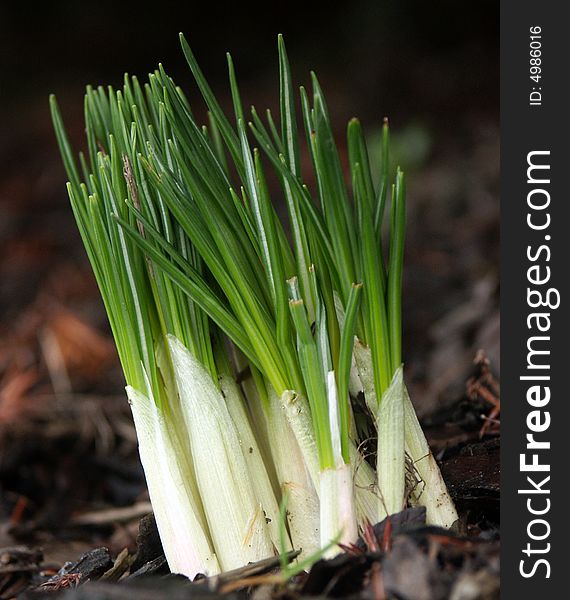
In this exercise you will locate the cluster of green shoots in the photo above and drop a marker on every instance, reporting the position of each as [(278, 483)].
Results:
[(259, 352)]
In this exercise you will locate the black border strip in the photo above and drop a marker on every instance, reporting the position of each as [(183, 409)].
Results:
[(524, 129)]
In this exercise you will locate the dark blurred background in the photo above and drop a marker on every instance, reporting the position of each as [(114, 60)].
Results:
[(432, 68)]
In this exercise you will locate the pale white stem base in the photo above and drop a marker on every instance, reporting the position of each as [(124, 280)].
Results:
[(253, 458), (431, 490), (391, 456), (299, 419), (184, 536), (365, 489), (235, 517), (338, 512), (294, 480)]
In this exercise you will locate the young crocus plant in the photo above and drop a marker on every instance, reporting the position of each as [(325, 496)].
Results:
[(244, 352)]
